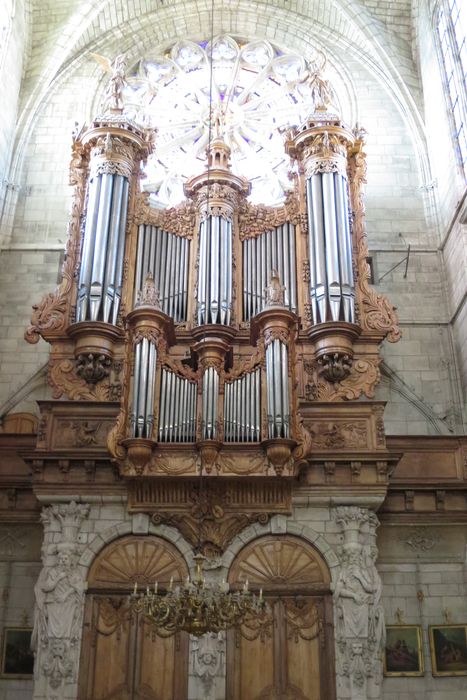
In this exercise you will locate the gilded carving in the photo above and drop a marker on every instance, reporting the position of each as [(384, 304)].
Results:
[(363, 377), (51, 315), (180, 220), (376, 312)]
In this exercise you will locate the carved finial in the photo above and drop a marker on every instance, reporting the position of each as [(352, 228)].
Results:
[(149, 296), (275, 291)]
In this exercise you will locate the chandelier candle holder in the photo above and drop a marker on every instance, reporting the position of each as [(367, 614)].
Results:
[(197, 606)]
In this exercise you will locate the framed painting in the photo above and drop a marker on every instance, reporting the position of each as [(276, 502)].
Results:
[(17, 657), (448, 646), (403, 655)]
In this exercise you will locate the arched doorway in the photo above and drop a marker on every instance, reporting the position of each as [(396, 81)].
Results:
[(291, 656), (122, 658)]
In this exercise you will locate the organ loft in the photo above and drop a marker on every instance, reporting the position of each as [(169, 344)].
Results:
[(212, 371)]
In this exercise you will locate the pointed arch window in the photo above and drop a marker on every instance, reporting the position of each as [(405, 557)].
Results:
[(452, 33)]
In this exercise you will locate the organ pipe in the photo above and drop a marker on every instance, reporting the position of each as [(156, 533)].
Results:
[(242, 408), (215, 271), (101, 272), (144, 378), (277, 390), (330, 248), (272, 250), (166, 257), (177, 408)]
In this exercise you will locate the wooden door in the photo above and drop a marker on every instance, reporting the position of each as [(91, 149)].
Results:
[(289, 655), (122, 657)]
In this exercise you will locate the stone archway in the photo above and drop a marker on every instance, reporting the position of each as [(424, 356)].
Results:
[(122, 658), (290, 656)]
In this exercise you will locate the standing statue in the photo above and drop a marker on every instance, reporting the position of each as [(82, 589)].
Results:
[(59, 592), (353, 593), (113, 98), (275, 291)]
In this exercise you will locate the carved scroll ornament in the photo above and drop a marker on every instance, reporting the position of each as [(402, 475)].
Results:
[(51, 315), (376, 312), (363, 377), (64, 379)]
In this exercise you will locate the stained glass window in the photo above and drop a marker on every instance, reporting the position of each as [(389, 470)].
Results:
[(257, 93), (452, 31)]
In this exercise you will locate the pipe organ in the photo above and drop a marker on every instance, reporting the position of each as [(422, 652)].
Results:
[(222, 317)]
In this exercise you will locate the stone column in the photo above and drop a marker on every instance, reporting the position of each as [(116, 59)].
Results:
[(207, 667), (58, 615), (359, 616)]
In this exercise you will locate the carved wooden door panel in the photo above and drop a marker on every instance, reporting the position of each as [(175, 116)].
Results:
[(290, 656), (123, 659), (284, 659)]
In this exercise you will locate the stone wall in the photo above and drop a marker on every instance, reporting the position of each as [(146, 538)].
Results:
[(19, 568)]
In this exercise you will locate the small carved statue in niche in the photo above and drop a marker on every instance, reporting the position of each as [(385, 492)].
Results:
[(275, 291)]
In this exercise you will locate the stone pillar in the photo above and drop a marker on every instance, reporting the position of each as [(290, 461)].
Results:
[(58, 615), (207, 667), (359, 616)]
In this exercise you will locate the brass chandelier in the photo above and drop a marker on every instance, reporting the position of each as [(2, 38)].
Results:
[(197, 606)]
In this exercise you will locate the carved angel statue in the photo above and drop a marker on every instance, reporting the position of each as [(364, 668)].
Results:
[(275, 291), (321, 90), (113, 98)]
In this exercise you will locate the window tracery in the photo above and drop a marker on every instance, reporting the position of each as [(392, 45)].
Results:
[(258, 92), (451, 25)]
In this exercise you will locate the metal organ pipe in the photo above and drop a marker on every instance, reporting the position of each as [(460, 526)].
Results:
[(271, 250), (99, 287), (330, 248), (215, 271), (210, 393), (277, 389), (144, 377), (242, 408), (166, 256), (177, 408)]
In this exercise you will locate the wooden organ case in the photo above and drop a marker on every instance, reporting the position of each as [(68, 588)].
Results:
[(223, 338)]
